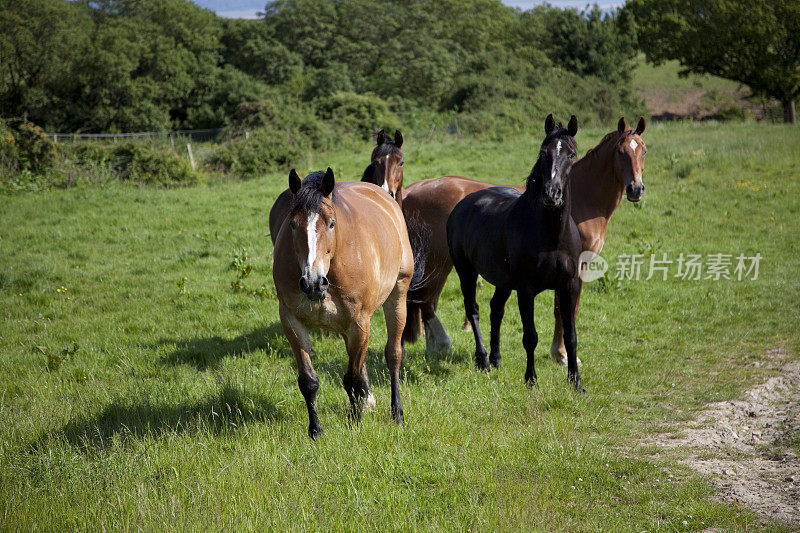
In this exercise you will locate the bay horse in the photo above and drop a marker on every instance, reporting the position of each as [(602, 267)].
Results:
[(341, 252), (525, 242), (598, 182), (385, 170)]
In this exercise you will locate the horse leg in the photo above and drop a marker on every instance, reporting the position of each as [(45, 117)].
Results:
[(557, 350), (307, 379), (498, 306), (436, 338), (469, 283), (394, 310), (356, 380), (529, 336), (569, 302)]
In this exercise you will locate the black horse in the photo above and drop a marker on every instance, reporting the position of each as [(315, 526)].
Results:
[(525, 242)]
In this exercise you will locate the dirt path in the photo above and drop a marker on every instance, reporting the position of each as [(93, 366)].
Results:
[(744, 446)]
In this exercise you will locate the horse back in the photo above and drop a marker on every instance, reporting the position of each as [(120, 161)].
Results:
[(373, 249), (477, 231)]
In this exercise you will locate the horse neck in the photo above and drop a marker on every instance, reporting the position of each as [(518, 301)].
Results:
[(554, 222), (596, 189)]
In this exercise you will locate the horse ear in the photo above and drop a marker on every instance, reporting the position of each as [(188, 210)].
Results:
[(572, 127), (328, 182), (621, 126), (381, 137), (398, 138), (549, 124), (294, 181), (640, 127)]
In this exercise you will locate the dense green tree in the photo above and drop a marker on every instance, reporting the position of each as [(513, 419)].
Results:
[(589, 42), (755, 42), (39, 43)]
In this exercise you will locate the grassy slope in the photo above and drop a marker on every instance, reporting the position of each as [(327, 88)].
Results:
[(182, 410), (665, 76)]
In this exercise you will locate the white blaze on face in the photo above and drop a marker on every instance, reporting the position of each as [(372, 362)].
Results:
[(633, 145), (311, 233), (385, 185), (558, 152)]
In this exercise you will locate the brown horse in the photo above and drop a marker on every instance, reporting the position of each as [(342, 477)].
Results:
[(597, 182), (342, 251), (385, 171)]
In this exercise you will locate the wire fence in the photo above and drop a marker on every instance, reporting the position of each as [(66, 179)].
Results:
[(195, 135)]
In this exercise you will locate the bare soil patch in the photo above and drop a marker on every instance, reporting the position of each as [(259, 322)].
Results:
[(697, 104), (744, 446)]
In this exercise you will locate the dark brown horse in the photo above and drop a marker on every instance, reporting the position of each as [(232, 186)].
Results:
[(385, 171), (525, 242), (598, 182), (341, 252)]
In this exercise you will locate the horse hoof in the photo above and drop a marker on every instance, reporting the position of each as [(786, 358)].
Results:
[(482, 363), (495, 361), (531, 383), (399, 418), (314, 432)]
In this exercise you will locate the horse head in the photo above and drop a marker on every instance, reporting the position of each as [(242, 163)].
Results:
[(629, 158), (312, 220), (386, 168), (556, 154)]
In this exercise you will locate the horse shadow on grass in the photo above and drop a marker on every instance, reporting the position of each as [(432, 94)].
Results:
[(208, 352), (128, 419), (416, 365)]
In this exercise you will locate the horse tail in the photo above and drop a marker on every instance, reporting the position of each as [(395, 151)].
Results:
[(419, 235), (413, 322)]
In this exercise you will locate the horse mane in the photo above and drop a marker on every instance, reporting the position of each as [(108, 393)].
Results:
[(536, 171), (594, 151), (309, 198), (369, 173)]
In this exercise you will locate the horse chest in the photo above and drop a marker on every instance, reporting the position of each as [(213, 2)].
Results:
[(546, 270), (326, 314)]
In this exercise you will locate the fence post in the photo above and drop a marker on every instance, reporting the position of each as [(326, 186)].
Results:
[(172, 141), (55, 138), (247, 135), (191, 157)]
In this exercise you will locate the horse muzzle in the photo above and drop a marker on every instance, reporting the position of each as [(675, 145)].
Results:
[(315, 289), (553, 197), (634, 192)]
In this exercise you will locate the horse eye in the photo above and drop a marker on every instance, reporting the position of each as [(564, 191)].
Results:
[(401, 163), (332, 224), (293, 225), (573, 154)]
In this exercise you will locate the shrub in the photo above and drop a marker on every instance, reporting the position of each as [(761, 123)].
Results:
[(134, 163), (357, 114), (265, 150), (25, 146)]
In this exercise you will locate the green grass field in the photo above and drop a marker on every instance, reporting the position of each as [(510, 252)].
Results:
[(665, 76), (139, 391)]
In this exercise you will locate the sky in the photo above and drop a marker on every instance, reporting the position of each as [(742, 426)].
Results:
[(249, 8)]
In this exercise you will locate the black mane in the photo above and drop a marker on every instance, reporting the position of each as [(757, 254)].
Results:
[(309, 198), (559, 132)]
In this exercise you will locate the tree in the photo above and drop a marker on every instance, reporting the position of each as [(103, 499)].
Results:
[(755, 42)]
